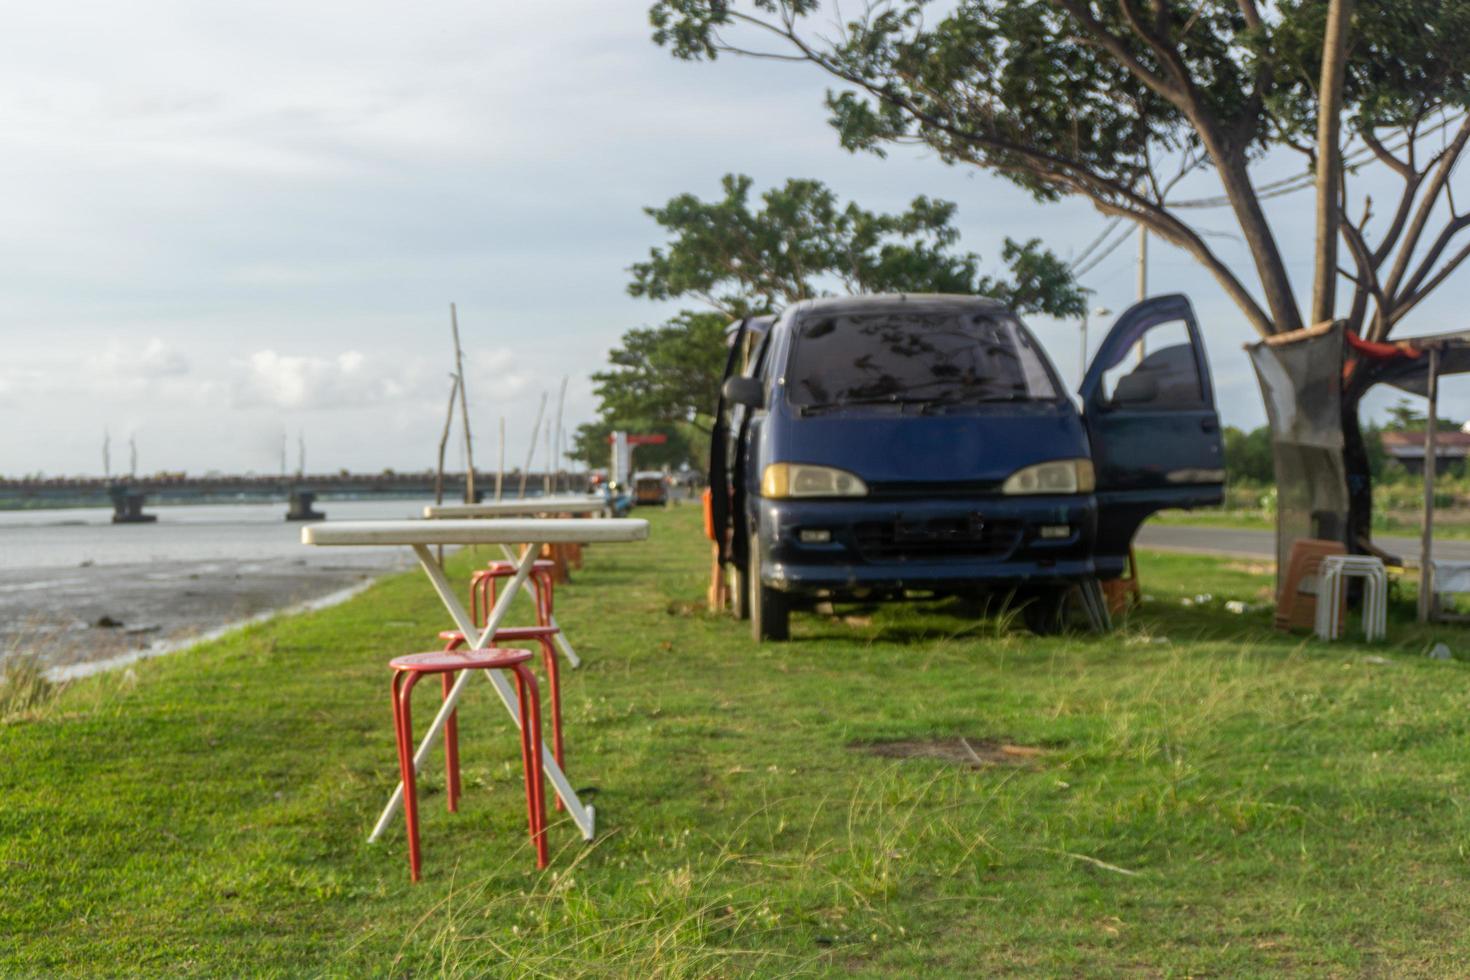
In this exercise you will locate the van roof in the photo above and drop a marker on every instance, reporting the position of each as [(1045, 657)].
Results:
[(893, 302)]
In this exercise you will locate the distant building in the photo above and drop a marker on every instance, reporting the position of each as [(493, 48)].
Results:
[(1407, 449)]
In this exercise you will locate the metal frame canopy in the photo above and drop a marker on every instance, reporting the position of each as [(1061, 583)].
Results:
[(420, 536), (1301, 375)]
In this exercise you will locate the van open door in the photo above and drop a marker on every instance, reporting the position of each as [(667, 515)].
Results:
[(719, 445), (1150, 412)]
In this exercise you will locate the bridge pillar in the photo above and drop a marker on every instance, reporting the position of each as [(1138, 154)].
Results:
[(127, 506), (301, 508)]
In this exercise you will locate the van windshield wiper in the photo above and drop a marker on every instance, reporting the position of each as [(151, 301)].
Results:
[(898, 400)]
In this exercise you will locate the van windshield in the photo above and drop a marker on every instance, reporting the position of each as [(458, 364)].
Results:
[(945, 357)]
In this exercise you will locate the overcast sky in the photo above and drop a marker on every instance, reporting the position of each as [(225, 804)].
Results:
[(222, 223)]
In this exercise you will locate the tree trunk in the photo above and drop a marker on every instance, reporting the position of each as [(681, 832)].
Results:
[(1358, 471)]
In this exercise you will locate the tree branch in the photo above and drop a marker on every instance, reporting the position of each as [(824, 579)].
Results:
[(1445, 164)]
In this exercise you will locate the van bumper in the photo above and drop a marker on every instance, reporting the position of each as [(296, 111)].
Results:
[(953, 543)]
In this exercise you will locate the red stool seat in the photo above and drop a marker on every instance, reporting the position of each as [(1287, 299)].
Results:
[(509, 567), (454, 641), (542, 579), (507, 633), (439, 661), (406, 673)]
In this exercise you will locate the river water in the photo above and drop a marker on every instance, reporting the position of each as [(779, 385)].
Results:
[(78, 590)]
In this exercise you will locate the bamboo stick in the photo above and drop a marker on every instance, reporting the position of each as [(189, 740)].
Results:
[(464, 410), (531, 453)]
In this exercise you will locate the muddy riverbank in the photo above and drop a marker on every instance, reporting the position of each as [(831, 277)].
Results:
[(77, 590)]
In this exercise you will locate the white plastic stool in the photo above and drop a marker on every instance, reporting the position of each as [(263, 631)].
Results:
[(1336, 568)]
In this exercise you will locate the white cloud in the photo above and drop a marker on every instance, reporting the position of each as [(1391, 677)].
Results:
[(295, 382), (125, 363)]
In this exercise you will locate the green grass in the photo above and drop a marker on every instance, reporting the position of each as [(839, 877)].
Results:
[(1211, 798)]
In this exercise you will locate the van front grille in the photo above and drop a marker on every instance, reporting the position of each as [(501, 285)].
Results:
[(937, 539), (928, 490)]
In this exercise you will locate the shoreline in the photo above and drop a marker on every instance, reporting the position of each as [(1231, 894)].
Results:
[(162, 648)]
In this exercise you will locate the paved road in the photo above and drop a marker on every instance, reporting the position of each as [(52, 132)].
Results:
[(1262, 544)]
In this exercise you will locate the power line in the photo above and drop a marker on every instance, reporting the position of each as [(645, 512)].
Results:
[(1127, 234), (1095, 243)]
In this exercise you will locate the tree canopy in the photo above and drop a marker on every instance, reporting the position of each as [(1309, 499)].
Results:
[(801, 240), (1119, 101), (740, 259)]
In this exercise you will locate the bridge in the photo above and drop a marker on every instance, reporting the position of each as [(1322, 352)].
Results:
[(128, 495)]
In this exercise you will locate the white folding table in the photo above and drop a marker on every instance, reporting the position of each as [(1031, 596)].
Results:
[(423, 535), (528, 507)]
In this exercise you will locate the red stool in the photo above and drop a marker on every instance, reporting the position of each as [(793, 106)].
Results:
[(483, 588), (406, 673), (455, 640)]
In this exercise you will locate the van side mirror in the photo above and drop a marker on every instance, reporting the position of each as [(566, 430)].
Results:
[(750, 392)]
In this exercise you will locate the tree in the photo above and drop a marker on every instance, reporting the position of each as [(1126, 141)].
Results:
[(1248, 454), (1118, 102), (667, 373), (741, 261)]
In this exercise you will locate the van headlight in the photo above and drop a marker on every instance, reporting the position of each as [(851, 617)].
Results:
[(1058, 476), (781, 480)]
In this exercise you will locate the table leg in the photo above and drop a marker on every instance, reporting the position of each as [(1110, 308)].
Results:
[(583, 816)]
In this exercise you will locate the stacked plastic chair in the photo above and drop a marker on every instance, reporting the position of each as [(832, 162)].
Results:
[(1332, 576), (1296, 605)]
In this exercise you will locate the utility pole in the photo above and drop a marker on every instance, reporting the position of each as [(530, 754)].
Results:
[(300, 454), (133, 455), (1142, 280), (106, 454), (1329, 157), (1142, 263)]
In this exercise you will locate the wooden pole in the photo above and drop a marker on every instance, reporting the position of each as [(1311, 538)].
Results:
[(561, 401), (546, 477), (1329, 156), (1426, 546), (531, 453), (464, 410), (500, 473), (443, 445)]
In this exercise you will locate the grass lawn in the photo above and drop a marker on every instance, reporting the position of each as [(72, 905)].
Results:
[(1193, 794)]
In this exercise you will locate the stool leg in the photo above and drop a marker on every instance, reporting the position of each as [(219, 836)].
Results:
[(451, 748), (542, 582), (553, 680), (529, 702), (402, 690)]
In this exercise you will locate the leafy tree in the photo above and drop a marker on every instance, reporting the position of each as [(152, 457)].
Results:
[(1248, 454), (1404, 417), (667, 373), (1117, 102), (801, 239)]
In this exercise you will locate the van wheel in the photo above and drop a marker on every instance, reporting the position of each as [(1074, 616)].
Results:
[(739, 592), (1055, 610), (770, 613)]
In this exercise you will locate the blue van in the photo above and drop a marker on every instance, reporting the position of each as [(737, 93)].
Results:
[(875, 447)]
